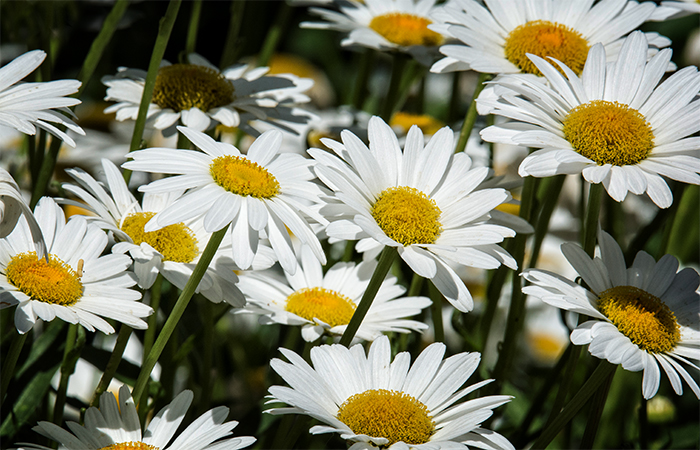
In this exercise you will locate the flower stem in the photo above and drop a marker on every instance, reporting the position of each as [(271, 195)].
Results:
[(416, 285), (643, 423), (74, 346), (177, 312), (551, 187), (590, 226), (113, 363), (399, 62), (436, 312), (359, 90), (149, 335), (193, 27), (596, 411), (386, 259), (232, 46), (10, 362), (274, 34), (470, 118), (164, 29)]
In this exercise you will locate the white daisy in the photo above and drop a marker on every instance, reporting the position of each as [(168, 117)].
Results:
[(376, 403), (26, 106), (73, 283), (115, 425), (197, 93), (496, 38), (645, 316), (422, 200), (12, 206), (263, 192), (326, 302), (398, 25), (173, 251), (613, 125), (682, 8)]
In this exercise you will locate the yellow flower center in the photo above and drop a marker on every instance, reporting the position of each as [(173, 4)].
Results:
[(647, 321), (326, 305), (427, 124), (184, 86), (609, 133), (389, 414), (243, 177), (175, 242), (405, 29), (130, 446), (544, 346), (407, 215), (51, 282), (545, 39)]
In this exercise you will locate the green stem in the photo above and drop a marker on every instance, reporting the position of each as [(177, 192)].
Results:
[(359, 90), (46, 171), (207, 311), (670, 222), (10, 362), (551, 187), (74, 345), (470, 118), (232, 46), (385, 261), (274, 34), (109, 26), (178, 310), (595, 412), (150, 334), (113, 363), (416, 285), (597, 378), (455, 99), (569, 370), (643, 424), (397, 71), (349, 251), (193, 27), (164, 29), (436, 312), (590, 230), (493, 294)]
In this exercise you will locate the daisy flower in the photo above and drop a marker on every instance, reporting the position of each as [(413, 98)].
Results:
[(262, 192), (613, 124), (12, 206), (73, 283), (387, 25), (496, 38), (682, 8), (644, 316), (376, 403), (173, 250), (198, 93), (325, 302), (115, 425), (423, 201), (26, 106)]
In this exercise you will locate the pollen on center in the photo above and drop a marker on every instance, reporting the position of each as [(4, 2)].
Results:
[(393, 415), (405, 29), (241, 176), (543, 38), (175, 242), (407, 216), (52, 282), (133, 445), (184, 86), (326, 305)]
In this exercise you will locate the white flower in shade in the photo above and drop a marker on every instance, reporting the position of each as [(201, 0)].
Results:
[(613, 125), (385, 25), (262, 193), (326, 302), (682, 8), (376, 403), (422, 200), (12, 206), (644, 316), (496, 38), (73, 282), (26, 106), (115, 425), (173, 251), (198, 96)]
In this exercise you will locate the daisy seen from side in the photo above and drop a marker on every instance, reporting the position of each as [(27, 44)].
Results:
[(324, 303), (28, 106), (615, 124), (374, 402), (262, 193), (115, 425), (73, 282), (422, 200), (643, 317)]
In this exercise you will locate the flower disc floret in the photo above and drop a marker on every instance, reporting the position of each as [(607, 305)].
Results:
[(609, 133), (130, 446), (407, 215), (543, 38), (428, 125), (405, 29), (393, 415), (327, 305), (184, 86), (647, 321), (243, 177), (175, 242), (52, 282)]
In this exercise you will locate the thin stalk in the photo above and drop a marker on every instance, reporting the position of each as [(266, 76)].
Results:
[(74, 345), (670, 222), (359, 90), (164, 29), (398, 65), (436, 312), (470, 118), (150, 334), (109, 26), (274, 34), (595, 412), (232, 46), (178, 310), (207, 311), (551, 188), (46, 171), (113, 363), (191, 43), (385, 261), (590, 228), (349, 251), (590, 387), (455, 99), (643, 424), (569, 370), (10, 362), (493, 294), (416, 285)]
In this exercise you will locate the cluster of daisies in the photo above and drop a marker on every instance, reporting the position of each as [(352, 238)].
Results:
[(245, 221)]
